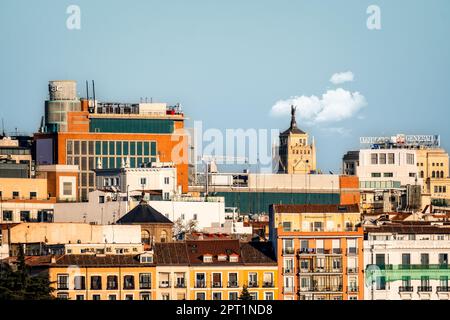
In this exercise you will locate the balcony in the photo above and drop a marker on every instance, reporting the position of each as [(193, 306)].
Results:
[(352, 289), (352, 270), (288, 290), (217, 284), (233, 284), (63, 286), (443, 289), (288, 270), (352, 251), (337, 251), (164, 284), (180, 284), (324, 289), (253, 284), (200, 284), (145, 285), (405, 289), (424, 289), (287, 251), (268, 284), (306, 251)]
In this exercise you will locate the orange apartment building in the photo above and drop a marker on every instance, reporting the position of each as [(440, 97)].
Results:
[(319, 251), (95, 135)]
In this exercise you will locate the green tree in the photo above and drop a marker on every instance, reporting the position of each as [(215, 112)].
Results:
[(21, 285), (245, 295)]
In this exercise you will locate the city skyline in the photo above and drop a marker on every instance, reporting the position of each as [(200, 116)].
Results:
[(262, 53)]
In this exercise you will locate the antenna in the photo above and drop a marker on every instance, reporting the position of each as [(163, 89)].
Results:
[(93, 92), (3, 128), (87, 90)]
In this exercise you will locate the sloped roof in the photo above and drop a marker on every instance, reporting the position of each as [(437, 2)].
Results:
[(143, 213)]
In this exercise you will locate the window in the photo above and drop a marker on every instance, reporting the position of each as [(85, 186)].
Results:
[(406, 260), (234, 258), (217, 280), (112, 297), (443, 259), (380, 260), (232, 280), (166, 180), (424, 259), (80, 297), (166, 196), (254, 295), (96, 297), (33, 195), (15, 194), (63, 282), (67, 188), (374, 158), (101, 199), (410, 158), (163, 236), (288, 246), (217, 296), (62, 296), (252, 279), (25, 216), (145, 237), (412, 174), (143, 181), (286, 226), (207, 258), (381, 283), (96, 283), (200, 280), (376, 175), (129, 297), (146, 296), (388, 174), (200, 296), (80, 283), (145, 281), (268, 279), (233, 296), (382, 158), (391, 158), (128, 282), (112, 283)]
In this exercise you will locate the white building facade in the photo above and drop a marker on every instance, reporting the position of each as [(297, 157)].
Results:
[(407, 262), (387, 168)]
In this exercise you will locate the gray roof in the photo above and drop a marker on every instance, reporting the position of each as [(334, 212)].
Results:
[(143, 213)]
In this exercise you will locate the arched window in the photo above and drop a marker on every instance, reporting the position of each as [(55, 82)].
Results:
[(163, 236), (145, 237), (433, 174), (421, 174), (442, 174)]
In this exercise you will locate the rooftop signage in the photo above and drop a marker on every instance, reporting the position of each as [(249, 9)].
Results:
[(406, 140)]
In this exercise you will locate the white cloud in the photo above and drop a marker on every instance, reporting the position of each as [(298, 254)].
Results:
[(333, 106), (337, 130), (342, 77)]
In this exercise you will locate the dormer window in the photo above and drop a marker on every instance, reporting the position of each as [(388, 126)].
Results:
[(234, 257), (207, 258), (222, 257), (146, 258)]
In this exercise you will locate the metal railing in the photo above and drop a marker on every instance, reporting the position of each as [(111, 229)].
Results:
[(424, 289), (200, 284), (233, 284), (405, 289), (164, 284), (443, 289)]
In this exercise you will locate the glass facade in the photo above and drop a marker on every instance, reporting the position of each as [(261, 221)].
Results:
[(87, 154), (259, 202), (131, 125)]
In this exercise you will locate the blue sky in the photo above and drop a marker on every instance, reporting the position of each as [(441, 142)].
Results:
[(228, 62)]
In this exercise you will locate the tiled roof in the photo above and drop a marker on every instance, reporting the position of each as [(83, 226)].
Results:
[(315, 208), (170, 253), (143, 213)]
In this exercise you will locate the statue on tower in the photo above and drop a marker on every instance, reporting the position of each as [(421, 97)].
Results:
[(293, 121)]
